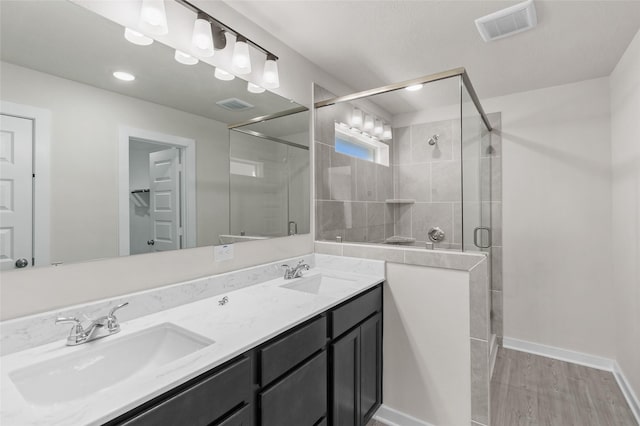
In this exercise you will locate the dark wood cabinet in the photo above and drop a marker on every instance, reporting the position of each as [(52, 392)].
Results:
[(356, 362), (324, 372)]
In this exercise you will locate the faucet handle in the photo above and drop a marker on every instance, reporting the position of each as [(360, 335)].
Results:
[(285, 266), (115, 308), (112, 322)]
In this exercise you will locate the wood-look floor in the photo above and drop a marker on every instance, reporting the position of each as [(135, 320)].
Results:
[(533, 390)]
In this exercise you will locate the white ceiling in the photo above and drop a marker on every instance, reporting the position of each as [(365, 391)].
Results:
[(369, 44)]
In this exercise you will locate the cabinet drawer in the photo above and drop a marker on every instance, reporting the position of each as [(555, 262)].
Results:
[(300, 398), (204, 402), (282, 355), (242, 417), (354, 312)]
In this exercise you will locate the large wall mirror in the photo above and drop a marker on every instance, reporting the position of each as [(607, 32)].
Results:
[(176, 158)]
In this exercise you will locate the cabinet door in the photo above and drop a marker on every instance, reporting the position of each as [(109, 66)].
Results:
[(300, 398), (370, 367), (345, 355)]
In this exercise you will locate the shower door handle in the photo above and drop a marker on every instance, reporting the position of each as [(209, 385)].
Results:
[(476, 240)]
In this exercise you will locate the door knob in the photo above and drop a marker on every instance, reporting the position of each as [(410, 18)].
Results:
[(151, 242), (21, 263)]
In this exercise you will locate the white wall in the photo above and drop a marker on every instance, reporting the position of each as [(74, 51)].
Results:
[(556, 216), (625, 156), (427, 369)]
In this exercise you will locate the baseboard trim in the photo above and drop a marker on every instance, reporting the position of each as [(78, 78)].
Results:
[(580, 358), (559, 353), (493, 353), (391, 417), (627, 391)]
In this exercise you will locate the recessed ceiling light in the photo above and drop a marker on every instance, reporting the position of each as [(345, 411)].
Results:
[(124, 76), (414, 87)]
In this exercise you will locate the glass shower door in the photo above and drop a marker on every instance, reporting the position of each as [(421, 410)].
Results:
[(476, 177)]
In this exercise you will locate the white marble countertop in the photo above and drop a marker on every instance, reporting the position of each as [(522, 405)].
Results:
[(252, 316)]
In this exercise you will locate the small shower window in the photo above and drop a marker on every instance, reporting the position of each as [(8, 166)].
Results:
[(354, 144)]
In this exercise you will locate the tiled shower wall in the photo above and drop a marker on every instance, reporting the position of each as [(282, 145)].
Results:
[(351, 193)]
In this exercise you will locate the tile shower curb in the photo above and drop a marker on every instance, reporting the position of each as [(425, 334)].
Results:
[(476, 264)]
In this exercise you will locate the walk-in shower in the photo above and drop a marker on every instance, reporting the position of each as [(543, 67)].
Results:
[(424, 182), (418, 168)]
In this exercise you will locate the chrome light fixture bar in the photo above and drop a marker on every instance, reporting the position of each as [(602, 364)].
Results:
[(241, 59)]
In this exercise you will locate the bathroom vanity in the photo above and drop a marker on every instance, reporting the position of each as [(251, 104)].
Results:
[(326, 371), (302, 351)]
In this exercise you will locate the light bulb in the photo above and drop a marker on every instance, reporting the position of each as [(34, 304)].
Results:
[(185, 58), (254, 88), (124, 76), (221, 74), (368, 123), (386, 132), (153, 18), (270, 77), (137, 38), (202, 39), (241, 60), (356, 117), (414, 87), (377, 128)]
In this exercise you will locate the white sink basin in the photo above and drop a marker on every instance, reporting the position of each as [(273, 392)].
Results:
[(101, 364), (321, 284)]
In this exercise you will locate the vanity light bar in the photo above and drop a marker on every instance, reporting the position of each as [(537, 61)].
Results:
[(226, 28)]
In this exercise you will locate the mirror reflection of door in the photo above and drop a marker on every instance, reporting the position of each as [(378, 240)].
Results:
[(16, 211), (155, 182)]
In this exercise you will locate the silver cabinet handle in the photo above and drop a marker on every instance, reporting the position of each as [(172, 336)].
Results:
[(21, 263), (476, 242)]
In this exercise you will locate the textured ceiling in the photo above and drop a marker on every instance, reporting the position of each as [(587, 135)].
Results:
[(368, 44)]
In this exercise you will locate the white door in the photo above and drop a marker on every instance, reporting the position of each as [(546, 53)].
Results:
[(16, 192), (164, 197)]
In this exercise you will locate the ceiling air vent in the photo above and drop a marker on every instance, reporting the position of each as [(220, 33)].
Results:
[(509, 21), (234, 104)]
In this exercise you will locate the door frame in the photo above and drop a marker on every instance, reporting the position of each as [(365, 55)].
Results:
[(41, 119), (188, 206)]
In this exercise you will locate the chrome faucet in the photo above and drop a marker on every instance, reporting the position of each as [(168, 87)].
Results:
[(101, 327), (295, 272)]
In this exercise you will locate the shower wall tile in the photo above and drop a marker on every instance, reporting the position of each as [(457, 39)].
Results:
[(480, 381), (421, 151), (342, 177), (365, 180), (479, 303), (401, 145), (325, 125), (356, 235), (322, 162), (355, 215), (412, 181), (496, 313), (331, 215), (402, 216), (375, 233), (445, 181), (496, 268), (496, 223), (457, 223), (427, 215), (384, 182), (496, 178), (375, 214)]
